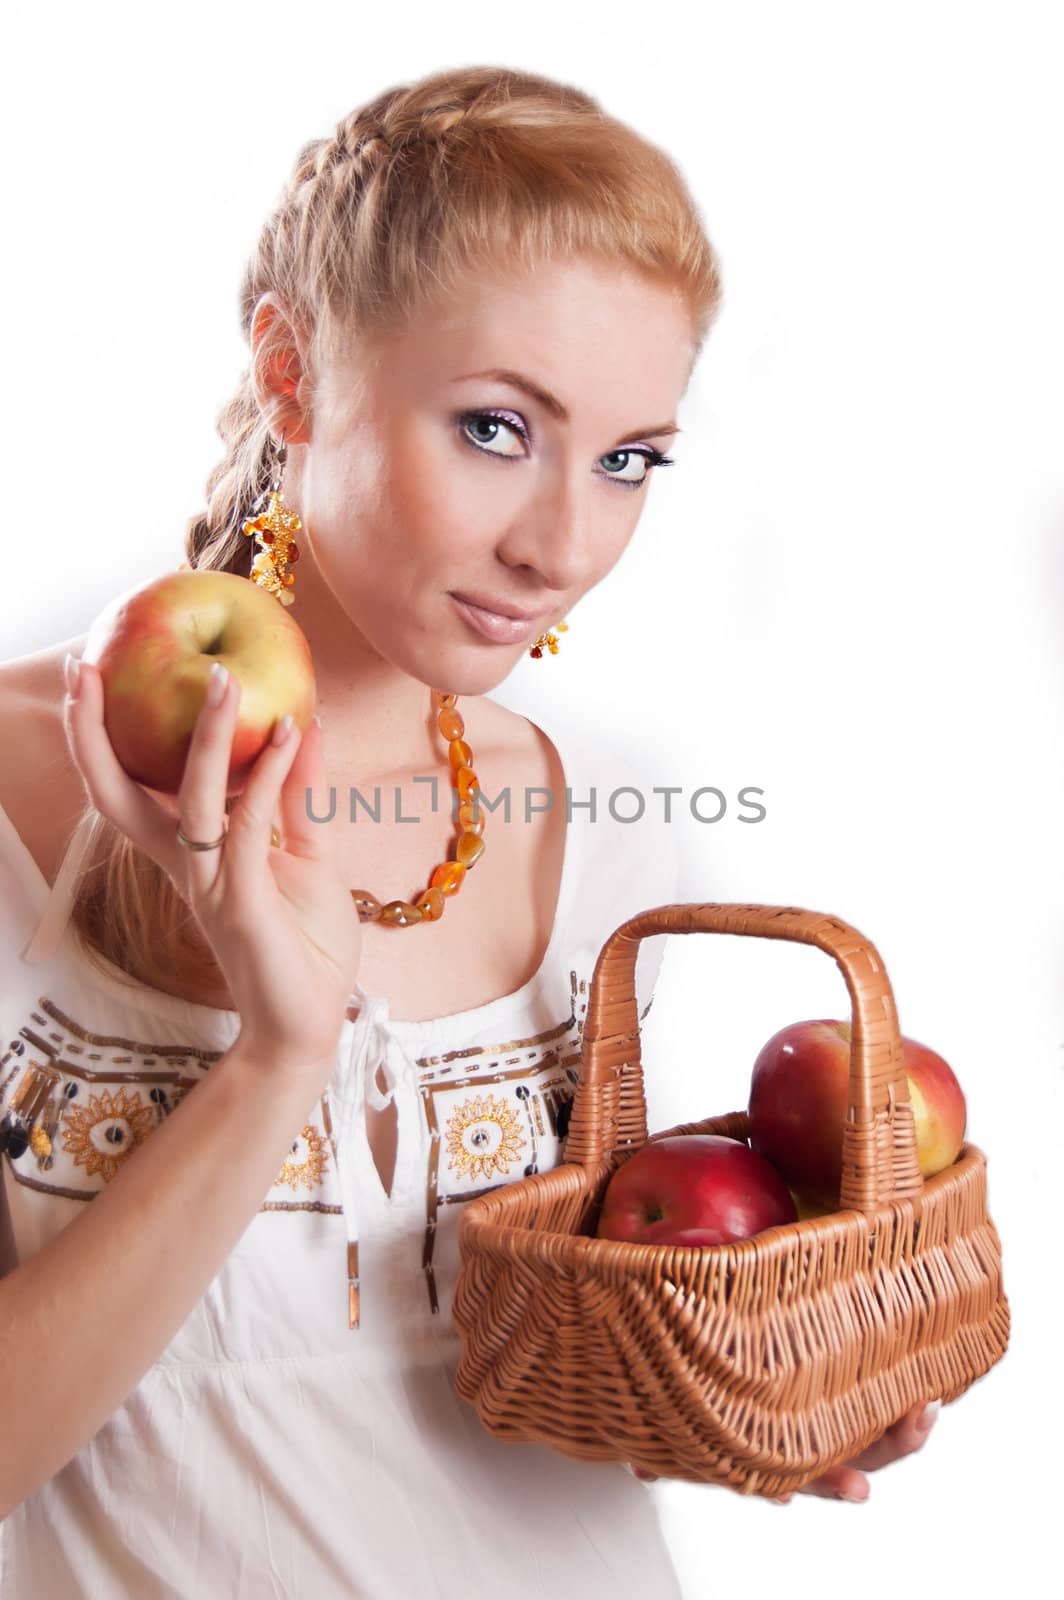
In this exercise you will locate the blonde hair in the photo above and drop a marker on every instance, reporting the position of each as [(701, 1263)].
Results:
[(420, 187)]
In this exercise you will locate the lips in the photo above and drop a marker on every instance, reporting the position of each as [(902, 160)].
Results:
[(500, 608), (495, 627)]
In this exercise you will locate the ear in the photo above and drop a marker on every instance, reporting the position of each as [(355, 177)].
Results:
[(279, 369)]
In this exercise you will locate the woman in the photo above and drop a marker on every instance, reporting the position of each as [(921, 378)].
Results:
[(471, 320)]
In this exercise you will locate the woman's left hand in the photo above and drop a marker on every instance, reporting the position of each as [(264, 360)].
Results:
[(847, 1480)]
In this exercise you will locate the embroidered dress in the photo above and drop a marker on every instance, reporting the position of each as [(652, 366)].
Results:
[(272, 1449)]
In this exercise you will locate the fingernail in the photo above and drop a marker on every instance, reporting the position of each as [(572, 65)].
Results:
[(283, 728), (854, 1499), (217, 681), (72, 673)]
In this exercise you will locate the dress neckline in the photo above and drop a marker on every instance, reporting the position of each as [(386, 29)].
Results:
[(227, 1020)]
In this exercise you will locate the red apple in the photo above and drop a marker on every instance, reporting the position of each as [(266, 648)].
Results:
[(799, 1093), (154, 647), (694, 1181), (695, 1238)]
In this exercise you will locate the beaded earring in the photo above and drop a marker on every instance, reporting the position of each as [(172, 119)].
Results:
[(272, 528), (548, 640)]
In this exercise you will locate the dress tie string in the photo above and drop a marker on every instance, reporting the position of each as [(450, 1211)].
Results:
[(371, 1047)]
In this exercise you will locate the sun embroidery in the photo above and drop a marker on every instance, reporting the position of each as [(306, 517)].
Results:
[(101, 1134), (306, 1162), (483, 1137)]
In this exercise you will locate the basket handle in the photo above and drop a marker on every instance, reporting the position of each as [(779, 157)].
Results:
[(879, 1157)]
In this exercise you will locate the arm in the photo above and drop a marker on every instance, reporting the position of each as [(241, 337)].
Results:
[(190, 1182)]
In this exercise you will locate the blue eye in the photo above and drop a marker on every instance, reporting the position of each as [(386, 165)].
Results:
[(491, 423), (653, 458)]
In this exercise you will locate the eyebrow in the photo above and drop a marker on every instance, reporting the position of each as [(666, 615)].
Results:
[(552, 404)]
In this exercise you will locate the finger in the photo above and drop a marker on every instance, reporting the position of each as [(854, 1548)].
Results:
[(902, 1438), (250, 821), (204, 781), (841, 1482), (302, 835), (116, 795)]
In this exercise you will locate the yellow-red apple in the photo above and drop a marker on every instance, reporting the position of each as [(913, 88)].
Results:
[(154, 646), (799, 1094)]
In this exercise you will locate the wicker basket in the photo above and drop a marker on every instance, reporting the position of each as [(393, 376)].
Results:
[(756, 1365)]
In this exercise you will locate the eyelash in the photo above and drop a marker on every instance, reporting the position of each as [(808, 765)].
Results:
[(653, 458)]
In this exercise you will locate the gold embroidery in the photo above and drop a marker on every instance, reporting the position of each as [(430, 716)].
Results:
[(483, 1137), (100, 1135), (508, 1044), (94, 1075), (309, 1166), (40, 1143), (119, 1041), (554, 1090), (89, 1126)]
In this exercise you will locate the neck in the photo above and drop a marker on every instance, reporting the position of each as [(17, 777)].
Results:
[(375, 719)]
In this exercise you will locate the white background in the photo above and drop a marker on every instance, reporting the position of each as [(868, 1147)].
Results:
[(846, 592)]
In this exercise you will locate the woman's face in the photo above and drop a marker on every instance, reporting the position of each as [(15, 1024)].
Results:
[(430, 474)]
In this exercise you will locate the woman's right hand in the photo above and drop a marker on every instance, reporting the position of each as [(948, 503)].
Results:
[(282, 925)]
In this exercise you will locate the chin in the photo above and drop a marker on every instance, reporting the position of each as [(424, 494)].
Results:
[(464, 671), (465, 679)]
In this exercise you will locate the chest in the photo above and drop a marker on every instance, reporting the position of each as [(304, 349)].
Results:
[(492, 936), (495, 929)]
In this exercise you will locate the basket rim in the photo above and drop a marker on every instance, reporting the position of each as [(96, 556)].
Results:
[(969, 1161)]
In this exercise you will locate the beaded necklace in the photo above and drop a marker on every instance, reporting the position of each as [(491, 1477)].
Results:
[(448, 876)]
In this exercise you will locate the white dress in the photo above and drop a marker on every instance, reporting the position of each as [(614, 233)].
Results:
[(272, 1450)]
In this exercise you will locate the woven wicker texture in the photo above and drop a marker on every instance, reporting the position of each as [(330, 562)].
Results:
[(759, 1364)]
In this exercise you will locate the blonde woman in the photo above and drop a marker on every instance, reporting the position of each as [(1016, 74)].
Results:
[(470, 320)]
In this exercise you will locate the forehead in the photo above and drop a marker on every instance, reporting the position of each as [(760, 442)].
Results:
[(571, 325)]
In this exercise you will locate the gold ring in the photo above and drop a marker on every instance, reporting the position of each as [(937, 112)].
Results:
[(199, 844)]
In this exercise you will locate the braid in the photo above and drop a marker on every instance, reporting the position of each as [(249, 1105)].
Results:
[(322, 158)]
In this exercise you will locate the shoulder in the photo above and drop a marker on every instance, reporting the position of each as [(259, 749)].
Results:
[(41, 788)]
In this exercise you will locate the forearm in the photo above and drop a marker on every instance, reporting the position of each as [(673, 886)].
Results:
[(108, 1294)]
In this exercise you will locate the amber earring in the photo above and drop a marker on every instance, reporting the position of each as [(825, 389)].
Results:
[(548, 640), (272, 527)]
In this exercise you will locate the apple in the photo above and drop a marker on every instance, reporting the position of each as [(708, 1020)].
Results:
[(699, 1182), (799, 1093), (154, 646)]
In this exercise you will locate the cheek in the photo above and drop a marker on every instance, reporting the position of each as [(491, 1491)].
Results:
[(618, 529), (431, 494)]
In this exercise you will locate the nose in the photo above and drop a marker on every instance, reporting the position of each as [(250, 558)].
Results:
[(554, 533)]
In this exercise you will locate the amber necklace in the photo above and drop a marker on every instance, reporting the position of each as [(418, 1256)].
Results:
[(448, 877)]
